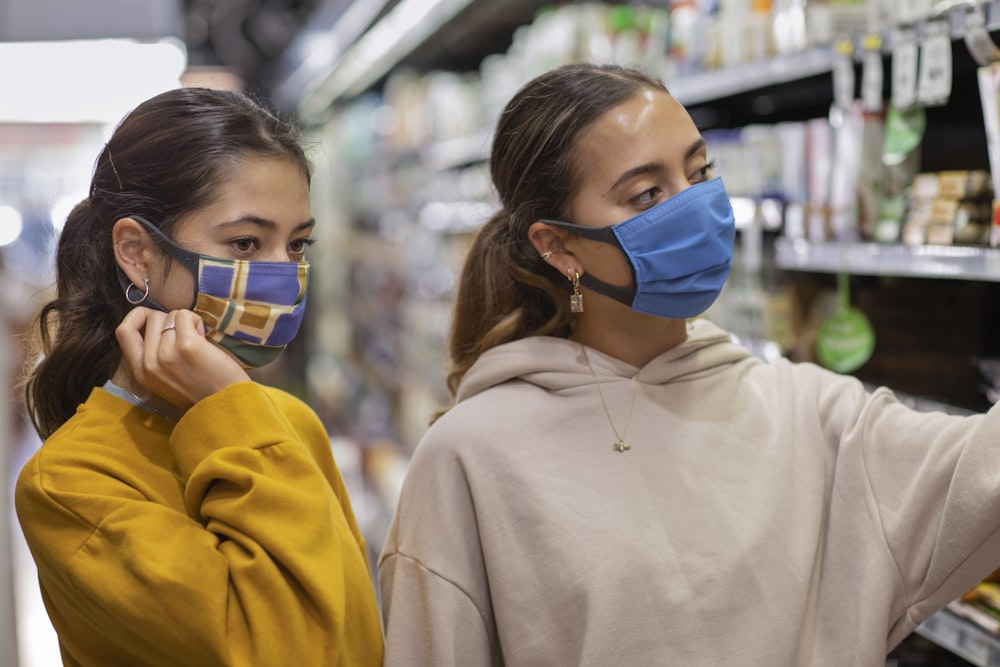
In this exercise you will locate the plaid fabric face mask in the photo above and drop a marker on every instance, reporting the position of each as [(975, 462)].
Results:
[(251, 308)]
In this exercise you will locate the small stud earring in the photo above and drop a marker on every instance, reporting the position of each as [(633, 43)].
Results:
[(575, 299), (546, 254)]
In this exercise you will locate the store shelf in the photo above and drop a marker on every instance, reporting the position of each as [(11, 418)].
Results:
[(457, 152), (962, 638), (717, 84), (875, 259), (422, 31), (405, 29)]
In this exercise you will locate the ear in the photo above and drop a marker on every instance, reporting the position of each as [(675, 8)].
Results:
[(134, 250), (551, 242)]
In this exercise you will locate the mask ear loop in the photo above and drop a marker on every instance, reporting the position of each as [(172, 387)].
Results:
[(189, 259), (623, 295)]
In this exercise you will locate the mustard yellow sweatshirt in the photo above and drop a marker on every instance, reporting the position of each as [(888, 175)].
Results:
[(226, 538)]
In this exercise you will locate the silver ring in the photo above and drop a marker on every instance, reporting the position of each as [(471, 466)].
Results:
[(169, 327)]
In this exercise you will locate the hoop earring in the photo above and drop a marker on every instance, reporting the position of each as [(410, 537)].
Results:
[(575, 299), (145, 293)]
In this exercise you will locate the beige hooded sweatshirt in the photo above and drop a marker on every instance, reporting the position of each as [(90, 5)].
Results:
[(766, 514)]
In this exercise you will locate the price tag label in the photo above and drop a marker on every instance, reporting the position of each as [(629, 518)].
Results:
[(934, 81), (947, 634), (977, 37), (904, 68), (975, 648), (872, 73), (843, 74)]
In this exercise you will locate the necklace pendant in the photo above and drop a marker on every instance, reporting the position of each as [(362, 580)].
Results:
[(622, 446)]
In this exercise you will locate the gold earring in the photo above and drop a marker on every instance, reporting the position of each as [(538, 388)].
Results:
[(575, 299)]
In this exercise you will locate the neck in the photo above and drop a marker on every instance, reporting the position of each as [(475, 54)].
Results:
[(633, 337), (123, 378)]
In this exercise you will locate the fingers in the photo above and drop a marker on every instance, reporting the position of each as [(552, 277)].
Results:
[(169, 354), (132, 339)]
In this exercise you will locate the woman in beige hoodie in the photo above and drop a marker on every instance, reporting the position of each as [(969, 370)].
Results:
[(618, 485)]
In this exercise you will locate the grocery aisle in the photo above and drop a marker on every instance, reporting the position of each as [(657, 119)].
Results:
[(838, 192), (406, 186)]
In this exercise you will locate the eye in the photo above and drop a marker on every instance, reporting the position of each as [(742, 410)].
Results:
[(647, 197), (704, 173), (245, 245), (298, 246)]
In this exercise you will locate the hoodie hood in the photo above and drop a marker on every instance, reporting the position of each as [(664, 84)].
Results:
[(558, 363)]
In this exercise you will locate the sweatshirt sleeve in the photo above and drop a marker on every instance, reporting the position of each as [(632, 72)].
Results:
[(259, 570), (430, 621), (436, 603), (932, 481)]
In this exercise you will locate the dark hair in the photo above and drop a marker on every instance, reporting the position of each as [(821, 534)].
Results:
[(506, 291), (166, 159)]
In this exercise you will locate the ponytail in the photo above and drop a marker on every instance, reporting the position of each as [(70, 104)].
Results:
[(76, 330), (506, 292)]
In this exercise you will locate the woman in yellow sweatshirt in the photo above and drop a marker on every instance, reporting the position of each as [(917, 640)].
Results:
[(180, 513)]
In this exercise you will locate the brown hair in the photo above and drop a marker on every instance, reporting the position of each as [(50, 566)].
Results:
[(506, 291), (167, 158)]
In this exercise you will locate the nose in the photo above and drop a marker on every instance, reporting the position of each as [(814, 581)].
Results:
[(276, 254), (678, 186)]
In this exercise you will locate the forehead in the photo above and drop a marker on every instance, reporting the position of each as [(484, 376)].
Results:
[(648, 127), (267, 188)]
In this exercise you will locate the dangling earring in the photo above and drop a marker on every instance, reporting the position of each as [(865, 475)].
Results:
[(575, 299), (145, 293)]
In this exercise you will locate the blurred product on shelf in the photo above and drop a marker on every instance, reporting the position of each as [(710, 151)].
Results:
[(949, 208), (981, 604)]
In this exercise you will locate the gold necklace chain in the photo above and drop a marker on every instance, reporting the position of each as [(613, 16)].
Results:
[(620, 445)]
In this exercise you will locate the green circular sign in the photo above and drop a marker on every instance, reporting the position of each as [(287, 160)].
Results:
[(845, 341)]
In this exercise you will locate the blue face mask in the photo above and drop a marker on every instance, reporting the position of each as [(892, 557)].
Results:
[(680, 251)]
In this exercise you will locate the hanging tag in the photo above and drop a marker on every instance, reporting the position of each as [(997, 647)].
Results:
[(843, 74), (977, 38), (934, 78), (989, 93), (904, 68), (845, 339), (872, 73)]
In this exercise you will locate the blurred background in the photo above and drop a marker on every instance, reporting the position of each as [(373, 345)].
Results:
[(859, 141)]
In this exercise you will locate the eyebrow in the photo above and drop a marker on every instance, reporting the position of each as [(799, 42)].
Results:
[(653, 167), (266, 223)]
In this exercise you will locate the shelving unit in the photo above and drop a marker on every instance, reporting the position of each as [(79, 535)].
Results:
[(962, 638), (716, 84), (396, 33), (875, 259), (432, 23)]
